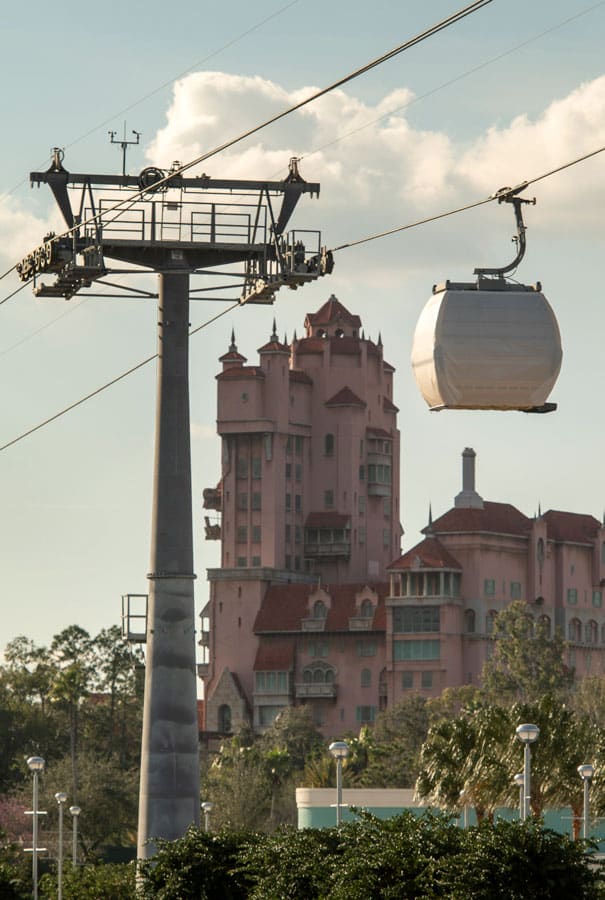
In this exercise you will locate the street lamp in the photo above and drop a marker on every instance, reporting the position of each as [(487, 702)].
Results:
[(519, 780), (207, 807), (75, 812), (340, 751), (585, 772), (61, 798), (527, 734), (36, 765)]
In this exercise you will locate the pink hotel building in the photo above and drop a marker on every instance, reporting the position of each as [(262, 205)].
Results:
[(313, 602)]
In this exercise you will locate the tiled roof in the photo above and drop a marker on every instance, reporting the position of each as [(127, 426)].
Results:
[(232, 355), (274, 347), (240, 372), (310, 345), (300, 376), (333, 311), (286, 605), (274, 655), (327, 520), (428, 554), (388, 367), (575, 528), (495, 518), (345, 397)]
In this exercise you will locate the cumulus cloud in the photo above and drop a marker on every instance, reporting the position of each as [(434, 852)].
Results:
[(370, 160)]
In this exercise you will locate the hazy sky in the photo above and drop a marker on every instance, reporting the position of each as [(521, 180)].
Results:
[(502, 97)]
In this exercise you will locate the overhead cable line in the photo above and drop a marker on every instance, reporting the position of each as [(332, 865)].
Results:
[(365, 240), (454, 80), (124, 205), (161, 87), (459, 209), (107, 384)]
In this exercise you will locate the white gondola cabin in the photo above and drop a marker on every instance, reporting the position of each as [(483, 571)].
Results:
[(487, 349), (489, 344)]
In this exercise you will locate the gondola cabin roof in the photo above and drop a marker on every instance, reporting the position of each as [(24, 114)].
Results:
[(487, 345)]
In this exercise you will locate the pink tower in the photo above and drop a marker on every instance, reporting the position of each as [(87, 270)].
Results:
[(309, 503)]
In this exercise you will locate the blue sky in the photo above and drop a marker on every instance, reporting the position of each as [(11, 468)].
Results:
[(76, 496)]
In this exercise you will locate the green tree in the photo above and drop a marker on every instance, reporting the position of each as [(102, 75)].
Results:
[(527, 663), (396, 740), (463, 760)]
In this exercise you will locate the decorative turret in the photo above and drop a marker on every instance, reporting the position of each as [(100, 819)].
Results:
[(232, 358)]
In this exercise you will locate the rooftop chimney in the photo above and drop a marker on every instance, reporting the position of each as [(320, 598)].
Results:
[(468, 498)]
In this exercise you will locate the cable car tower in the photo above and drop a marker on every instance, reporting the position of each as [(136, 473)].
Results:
[(174, 226), (492, 343)]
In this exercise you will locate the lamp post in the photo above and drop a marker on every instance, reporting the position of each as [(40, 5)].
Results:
[(585, 772), (340, 751), (527, 734), (36, 765), (463, 803), (75, 812), (61, 798), (207, 807), (519, 780)]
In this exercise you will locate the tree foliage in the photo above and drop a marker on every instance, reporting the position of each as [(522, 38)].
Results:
[(527, 662)]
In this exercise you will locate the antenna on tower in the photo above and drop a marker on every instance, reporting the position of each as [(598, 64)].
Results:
[(124, 144)]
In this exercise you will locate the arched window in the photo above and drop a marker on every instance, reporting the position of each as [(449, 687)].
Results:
[(329, 444), (320, 610), (366, 678), (318, 676), (489, 621), (543, 626), (224, 718), (329, 676), (307, 676), (469, 621), (591, 632), (540, 550), (367, 609), (575, 630)]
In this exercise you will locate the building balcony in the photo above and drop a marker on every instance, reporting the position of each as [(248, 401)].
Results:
[(213, 498), (376, 489), (361, 623), (203, 670), (316, 624), (315, 691), (204, 640), (341, 549), (212, 530)]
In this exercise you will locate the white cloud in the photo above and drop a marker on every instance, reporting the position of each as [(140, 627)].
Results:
[(389, 172)]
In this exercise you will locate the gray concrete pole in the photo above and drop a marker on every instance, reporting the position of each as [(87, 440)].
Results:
[(586, 808), (338, 792), (35, 838), (527, 780), (169, 797)]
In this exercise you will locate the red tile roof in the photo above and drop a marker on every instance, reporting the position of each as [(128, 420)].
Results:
[(327, 520), (240, 372), (333, 311), (345, 397), (274, 347), (232, 355), (286, 605), (575, 528), (310, 345), (428, 554), (494, 518), (274, 655)]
